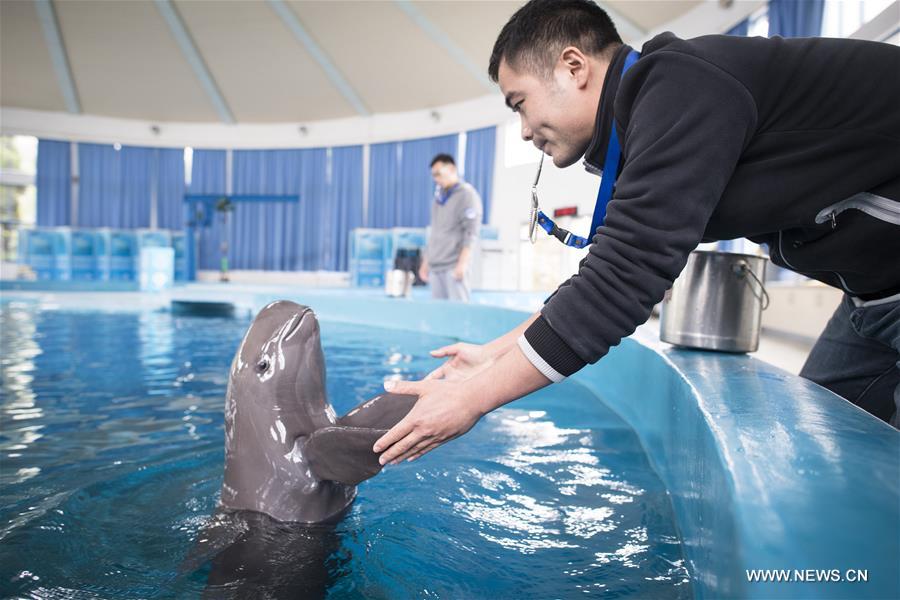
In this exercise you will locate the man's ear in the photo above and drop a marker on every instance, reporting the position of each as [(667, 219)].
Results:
[(575, 66)]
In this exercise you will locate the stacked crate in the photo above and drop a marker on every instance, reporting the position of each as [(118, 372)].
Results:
[(117, 252), (369, 251), (45, 252), (67, 254)]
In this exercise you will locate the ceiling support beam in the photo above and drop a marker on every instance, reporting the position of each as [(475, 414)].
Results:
[(50, 25), (195, 60), (299, 32), (881, 27), (444, 41)]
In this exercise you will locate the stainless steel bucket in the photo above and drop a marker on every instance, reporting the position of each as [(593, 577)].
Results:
[(398, 283), (716, 303)]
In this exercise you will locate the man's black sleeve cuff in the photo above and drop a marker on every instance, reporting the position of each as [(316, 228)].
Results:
[(552, 348)]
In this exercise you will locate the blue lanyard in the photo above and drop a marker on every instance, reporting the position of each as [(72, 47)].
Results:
[(441, 197), (607, 183)]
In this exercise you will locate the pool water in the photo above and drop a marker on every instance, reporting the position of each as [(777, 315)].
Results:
[(112, 458)]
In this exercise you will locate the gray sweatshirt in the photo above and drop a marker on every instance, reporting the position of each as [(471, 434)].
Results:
[(454, 226)]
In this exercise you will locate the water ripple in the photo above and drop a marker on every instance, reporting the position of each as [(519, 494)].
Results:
[(112, 461)]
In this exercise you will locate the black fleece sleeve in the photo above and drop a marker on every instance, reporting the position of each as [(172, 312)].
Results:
[(685, 130)]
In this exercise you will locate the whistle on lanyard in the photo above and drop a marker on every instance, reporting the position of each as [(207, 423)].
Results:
[(537, 217)]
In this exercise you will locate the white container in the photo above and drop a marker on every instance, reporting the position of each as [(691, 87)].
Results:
[(398, 283)]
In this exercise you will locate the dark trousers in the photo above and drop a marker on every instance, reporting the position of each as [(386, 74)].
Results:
[(858, 357)]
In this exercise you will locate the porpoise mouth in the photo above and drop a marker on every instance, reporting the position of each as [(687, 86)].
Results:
[(295, 326)]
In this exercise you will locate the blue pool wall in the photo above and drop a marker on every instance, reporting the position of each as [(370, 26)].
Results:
[(765, 470)]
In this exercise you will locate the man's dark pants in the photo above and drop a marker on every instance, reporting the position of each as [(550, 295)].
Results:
[(858, 357)]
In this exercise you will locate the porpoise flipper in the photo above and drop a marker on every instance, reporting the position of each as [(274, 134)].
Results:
[(381, 412), (343, 453)]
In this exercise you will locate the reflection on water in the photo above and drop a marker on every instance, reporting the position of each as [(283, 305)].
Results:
[(112, 453), (550, 489)]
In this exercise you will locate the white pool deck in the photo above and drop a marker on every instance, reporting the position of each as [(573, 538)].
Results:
[(784, 351)]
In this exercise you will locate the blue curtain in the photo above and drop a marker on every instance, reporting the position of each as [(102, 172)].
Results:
[(344, 208), (99, 183), (741, 29), (54, 183), (400, 186), (208, 172), (99, 176), (384, 184), (416, 184), (261, 232), (114, 186), (208, 177), (170, 188), (480, 146), (313, 201), (796, 18), (134, 205), (247, 235), (279, 236)]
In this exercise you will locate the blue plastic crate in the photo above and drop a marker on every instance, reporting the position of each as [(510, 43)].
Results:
[(36, 251), (369, 244), (154, 238), (46, 252), (489, 232), (178, 245), (22, 245), (157, 268), (406, 238), (367, 273), (117, 254), (369, 254), (83, 257)]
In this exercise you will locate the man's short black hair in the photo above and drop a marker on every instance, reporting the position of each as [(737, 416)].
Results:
[(536, 34), (443, 158)]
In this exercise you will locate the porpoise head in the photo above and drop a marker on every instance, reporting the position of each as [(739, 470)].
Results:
[(276, 399)]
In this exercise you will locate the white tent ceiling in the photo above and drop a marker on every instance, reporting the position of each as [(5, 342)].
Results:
[(240, 61)]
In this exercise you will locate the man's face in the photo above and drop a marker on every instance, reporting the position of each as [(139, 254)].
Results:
[(444, 174), (557, 113)]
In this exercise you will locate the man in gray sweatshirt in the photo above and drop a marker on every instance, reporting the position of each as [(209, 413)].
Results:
[(455, 222)]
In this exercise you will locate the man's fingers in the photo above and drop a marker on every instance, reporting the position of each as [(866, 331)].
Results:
[(414, 450), (400, 448), (437, 373), (402, 387), (428, 448), (445, 351), (396, 433)]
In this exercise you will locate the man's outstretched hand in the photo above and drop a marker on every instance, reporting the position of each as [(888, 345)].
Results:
[(465, 360), (441, 414), (447, 409)]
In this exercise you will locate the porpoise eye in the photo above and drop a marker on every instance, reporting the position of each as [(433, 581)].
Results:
[(263, 365)]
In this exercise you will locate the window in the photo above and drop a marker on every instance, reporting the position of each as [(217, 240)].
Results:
[(758, 23), (18, 197), (188, 167), (841, 18)]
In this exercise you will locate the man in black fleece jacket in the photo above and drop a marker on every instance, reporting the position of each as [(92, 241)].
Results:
[(792, 143)]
